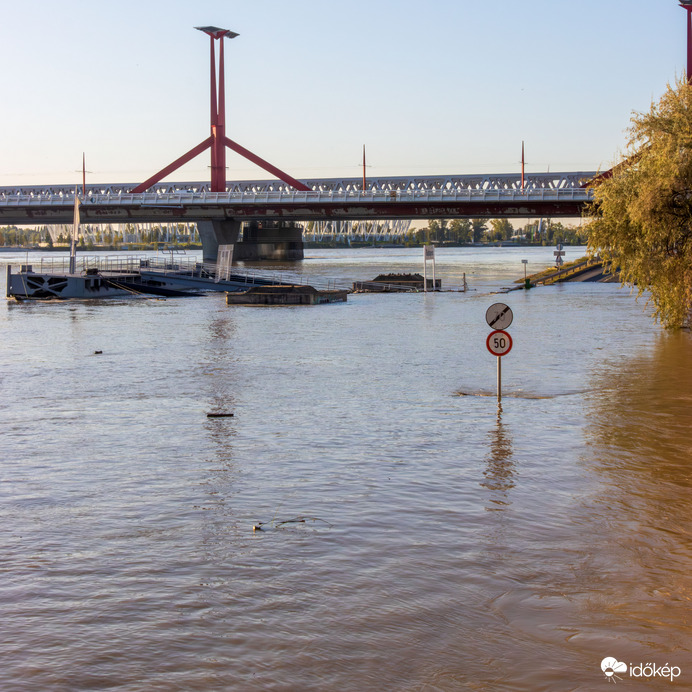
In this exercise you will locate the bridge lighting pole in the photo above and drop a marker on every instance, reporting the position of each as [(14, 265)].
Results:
[(687, 5)]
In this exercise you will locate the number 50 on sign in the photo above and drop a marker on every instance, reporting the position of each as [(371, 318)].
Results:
[(499, 343)]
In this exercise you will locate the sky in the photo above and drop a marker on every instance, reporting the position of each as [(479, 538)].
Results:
[(430, 88)]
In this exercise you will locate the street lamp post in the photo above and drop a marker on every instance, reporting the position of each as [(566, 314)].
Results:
[(687, 5)]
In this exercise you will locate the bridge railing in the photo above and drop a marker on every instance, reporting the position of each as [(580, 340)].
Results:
[(220, 198), (399, 184)]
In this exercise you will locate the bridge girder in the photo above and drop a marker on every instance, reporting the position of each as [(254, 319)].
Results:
[(557, 194), (450, 183), (425, 209)]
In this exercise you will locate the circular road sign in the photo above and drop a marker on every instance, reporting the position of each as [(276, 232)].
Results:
[(499, 343), (499, 316)]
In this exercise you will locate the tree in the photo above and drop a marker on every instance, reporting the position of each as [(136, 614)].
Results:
[(554, 232), (435, 229), (478, 227), (642, 221), (501, 229), (460, 230)]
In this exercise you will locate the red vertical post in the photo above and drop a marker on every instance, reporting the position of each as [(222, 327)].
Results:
[(213, 119), (689, 44), (364, 181), (217, 140), (221, 125)]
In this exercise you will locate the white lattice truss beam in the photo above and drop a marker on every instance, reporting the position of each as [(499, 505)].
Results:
[(418, 184), (356, 230)]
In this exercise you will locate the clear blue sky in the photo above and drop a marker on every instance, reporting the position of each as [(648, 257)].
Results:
[(435, 87)]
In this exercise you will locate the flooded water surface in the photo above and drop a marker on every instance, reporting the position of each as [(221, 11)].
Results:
[(410, 534)]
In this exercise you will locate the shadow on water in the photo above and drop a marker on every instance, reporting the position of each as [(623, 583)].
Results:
[(643, 415), (517, 394), (639, 448)]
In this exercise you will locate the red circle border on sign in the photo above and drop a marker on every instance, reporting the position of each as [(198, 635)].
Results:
[(495, 333)]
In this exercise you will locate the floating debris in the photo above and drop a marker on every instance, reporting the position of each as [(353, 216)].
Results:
[(286, 295), (396, 283), (259, 526), (220, 415), (303, 520)]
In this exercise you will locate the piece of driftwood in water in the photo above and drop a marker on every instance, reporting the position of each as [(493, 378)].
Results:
[(219, 415), (260, 525)]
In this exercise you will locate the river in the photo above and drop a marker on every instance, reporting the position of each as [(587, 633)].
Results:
[(412, 535)]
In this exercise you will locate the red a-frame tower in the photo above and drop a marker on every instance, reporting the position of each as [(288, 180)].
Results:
[(217, 140)]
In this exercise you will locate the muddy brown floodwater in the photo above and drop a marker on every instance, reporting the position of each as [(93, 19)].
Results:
[(413, 536)]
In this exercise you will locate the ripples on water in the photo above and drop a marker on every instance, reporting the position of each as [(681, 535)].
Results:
[(447, 545)]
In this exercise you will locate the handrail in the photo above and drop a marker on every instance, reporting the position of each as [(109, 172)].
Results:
[(568, 270), (398, 196)]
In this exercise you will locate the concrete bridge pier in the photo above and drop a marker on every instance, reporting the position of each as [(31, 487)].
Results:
[(270, 240), (216, 232)]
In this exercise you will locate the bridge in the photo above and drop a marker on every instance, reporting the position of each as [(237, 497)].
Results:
[(220, 207), (401, 197), (218, 215)]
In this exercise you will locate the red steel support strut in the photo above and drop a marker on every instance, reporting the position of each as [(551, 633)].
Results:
[(217, 140), (687, 5), (214, 111), (689, 43)]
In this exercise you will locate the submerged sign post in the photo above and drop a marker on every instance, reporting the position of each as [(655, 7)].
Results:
[(499, 316), (428, 254)]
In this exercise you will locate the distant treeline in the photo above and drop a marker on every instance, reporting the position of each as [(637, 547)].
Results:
[(442, 232), (468, 231)]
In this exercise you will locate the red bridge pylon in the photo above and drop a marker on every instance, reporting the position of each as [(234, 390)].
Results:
[(218, 141)]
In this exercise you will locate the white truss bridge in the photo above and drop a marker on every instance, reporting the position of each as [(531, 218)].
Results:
[(328, 203), (445, 184)]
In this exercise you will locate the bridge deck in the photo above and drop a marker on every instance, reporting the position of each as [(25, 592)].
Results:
[(556, 194)]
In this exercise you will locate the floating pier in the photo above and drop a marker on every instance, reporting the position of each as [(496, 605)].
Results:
[(103, 277), (396, 283), (286, 295)]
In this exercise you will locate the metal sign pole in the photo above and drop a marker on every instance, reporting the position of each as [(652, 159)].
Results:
[(499, 342), (428, 253), (425, 271), (434, 284)]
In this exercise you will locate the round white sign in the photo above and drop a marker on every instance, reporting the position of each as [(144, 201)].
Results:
[(499, 343)]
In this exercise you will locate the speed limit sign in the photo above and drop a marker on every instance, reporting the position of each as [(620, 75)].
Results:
[(499, 343)]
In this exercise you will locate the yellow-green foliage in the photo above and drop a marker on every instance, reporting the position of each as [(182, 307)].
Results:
[(643, 213)]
